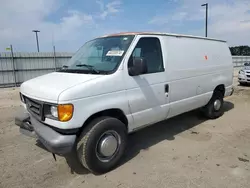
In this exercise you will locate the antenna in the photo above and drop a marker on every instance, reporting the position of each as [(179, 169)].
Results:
[(53, 42), (54, 49)]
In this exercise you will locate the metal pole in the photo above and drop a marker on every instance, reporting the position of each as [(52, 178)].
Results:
[(206, 24), (54, 51), (13, 65), (206, 17), (37, 42)]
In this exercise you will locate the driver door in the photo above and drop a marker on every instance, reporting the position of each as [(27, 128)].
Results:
[(148, 93)]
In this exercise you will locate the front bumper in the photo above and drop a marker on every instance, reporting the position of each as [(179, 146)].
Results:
[(54, 142), (244, 78)]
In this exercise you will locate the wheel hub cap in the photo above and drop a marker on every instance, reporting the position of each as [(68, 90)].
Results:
[(217, 104), (108, 145)]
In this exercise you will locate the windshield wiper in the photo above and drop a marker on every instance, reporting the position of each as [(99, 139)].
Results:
[(90, 67)]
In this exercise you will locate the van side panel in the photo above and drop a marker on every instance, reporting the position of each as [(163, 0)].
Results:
[(194, 68)]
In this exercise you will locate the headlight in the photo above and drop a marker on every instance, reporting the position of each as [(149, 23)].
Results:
[(61, 112), (241, 72), (65, 112), (53, 111)]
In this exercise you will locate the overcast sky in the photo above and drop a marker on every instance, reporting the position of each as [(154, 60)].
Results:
[(70, 23)]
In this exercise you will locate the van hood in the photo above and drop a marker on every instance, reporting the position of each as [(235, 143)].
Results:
[(48, 87)]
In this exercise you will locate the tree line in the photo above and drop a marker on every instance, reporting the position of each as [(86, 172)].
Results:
[(240, 50)]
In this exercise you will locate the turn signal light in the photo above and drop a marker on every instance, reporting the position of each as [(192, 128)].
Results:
[(65, 112)]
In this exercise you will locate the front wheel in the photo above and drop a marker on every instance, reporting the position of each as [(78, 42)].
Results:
[(214, 108), (102, 144)]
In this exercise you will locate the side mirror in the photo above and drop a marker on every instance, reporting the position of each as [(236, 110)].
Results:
[(138, 66)]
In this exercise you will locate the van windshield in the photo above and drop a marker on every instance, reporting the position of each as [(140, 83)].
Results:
[(99, 56)]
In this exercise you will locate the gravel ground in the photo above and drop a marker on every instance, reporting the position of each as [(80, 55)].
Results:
[(185, 151)]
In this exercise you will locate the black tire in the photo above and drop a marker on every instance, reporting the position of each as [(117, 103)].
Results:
[(244, 84), (209, 110), (88, 140)]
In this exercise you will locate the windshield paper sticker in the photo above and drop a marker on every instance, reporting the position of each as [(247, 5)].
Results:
[(115, 53)]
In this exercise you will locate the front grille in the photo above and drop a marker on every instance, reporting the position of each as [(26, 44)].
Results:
[(34, 107)]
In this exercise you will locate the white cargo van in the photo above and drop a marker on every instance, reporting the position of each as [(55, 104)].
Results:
[(120, 83)]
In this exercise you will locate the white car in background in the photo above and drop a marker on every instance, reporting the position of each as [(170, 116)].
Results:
[(244, 74)]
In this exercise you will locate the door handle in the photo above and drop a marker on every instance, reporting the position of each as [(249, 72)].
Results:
[(166, 88)]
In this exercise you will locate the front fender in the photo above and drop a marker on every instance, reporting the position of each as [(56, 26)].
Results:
[(86, 107)]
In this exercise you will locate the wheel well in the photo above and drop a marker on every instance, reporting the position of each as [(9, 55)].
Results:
[(220, 88), (115, 113)]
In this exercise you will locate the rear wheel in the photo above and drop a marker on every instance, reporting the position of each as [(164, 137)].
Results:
[(214, 108), (102, 144)]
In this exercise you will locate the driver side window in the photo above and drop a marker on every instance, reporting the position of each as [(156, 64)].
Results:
[(149, 48)]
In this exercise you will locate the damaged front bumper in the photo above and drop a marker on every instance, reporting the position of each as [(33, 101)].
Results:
[(55, 142)]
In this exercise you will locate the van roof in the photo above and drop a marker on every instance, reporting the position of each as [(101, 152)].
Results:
[(159, 33)]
